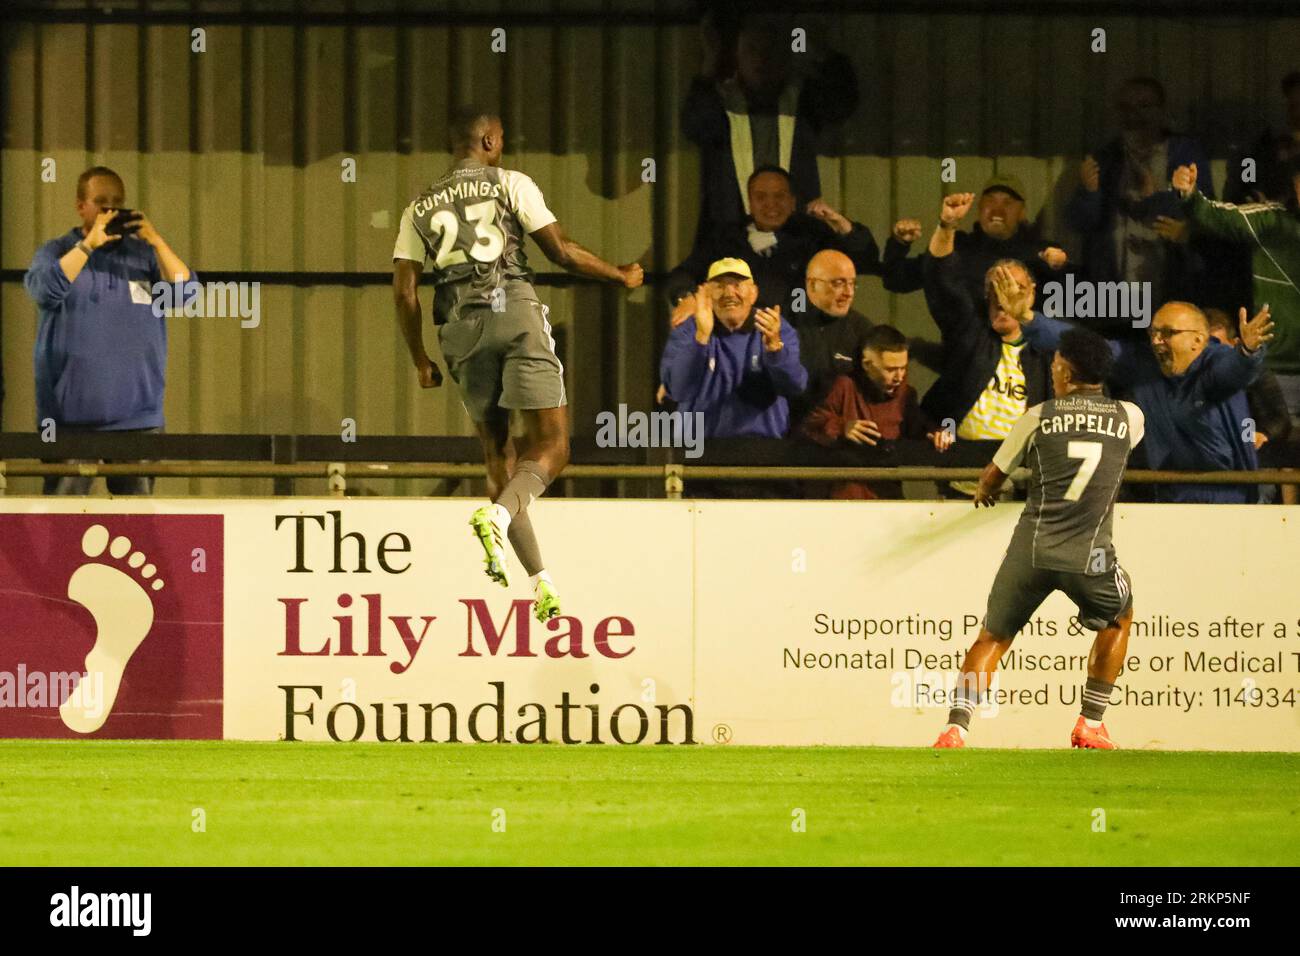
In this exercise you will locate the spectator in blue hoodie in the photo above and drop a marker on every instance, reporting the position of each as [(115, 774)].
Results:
[(1190, 387), (736, 364), (101, 348)]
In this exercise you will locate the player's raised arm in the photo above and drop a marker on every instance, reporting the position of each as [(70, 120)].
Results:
[(572, 257), (406, 281)]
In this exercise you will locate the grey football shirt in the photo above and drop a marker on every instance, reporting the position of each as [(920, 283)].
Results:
[(469, 227), (1076, 448)]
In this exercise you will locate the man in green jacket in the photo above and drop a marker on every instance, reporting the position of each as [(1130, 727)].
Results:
[(1272, 230)]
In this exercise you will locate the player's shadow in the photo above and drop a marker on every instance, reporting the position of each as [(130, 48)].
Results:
[(614, 176)]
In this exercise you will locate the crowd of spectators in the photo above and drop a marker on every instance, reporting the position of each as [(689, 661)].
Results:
[(766, 343), (764, 339)]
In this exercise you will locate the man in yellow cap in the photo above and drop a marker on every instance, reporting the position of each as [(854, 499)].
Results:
[(736, 364)]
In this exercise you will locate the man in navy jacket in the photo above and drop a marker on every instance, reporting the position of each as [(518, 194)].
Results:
[(101, 347)]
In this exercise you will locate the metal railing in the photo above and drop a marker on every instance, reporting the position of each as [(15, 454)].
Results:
[(284, 458)]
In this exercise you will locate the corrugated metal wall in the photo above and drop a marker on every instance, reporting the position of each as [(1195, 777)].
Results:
[(236, 155)]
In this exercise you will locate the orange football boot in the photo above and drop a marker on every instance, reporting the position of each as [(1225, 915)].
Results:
[(950, 739), (1089, 738)]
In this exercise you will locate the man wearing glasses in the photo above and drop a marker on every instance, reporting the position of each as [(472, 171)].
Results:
[(736, 364), (1190, 387), (832, 335)]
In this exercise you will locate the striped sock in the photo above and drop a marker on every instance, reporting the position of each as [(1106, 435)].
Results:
[(965, 698), (1096, 695)]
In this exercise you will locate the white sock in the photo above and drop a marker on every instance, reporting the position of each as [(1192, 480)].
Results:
[(501, 517), (1094, 724), (540, 576), (960, 730)]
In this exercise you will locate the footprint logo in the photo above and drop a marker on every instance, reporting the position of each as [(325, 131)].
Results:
[(123, 611)]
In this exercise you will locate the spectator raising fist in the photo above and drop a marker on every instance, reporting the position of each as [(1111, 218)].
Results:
[(951, 213), (1055, 257), (821, 209), (907, 230), (955, 208), (1185, 180)]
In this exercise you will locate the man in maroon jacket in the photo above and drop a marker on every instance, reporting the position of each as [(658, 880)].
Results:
[(874, 404)]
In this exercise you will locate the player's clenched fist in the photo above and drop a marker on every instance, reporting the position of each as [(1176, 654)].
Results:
[(633, 275), (955, 208), (428, 373)]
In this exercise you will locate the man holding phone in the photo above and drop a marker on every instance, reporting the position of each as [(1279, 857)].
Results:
[(101, 349)]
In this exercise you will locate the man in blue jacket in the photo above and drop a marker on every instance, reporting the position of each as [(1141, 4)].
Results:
[(737, 365), (101, 347), (1190, 387)]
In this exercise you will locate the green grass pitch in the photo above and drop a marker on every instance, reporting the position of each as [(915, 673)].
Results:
[(130, 803)]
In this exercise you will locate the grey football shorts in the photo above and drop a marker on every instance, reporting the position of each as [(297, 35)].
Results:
[(503, 359), (1020, 588)]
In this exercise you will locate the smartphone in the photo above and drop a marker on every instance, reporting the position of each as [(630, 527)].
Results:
[(126, 220)]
